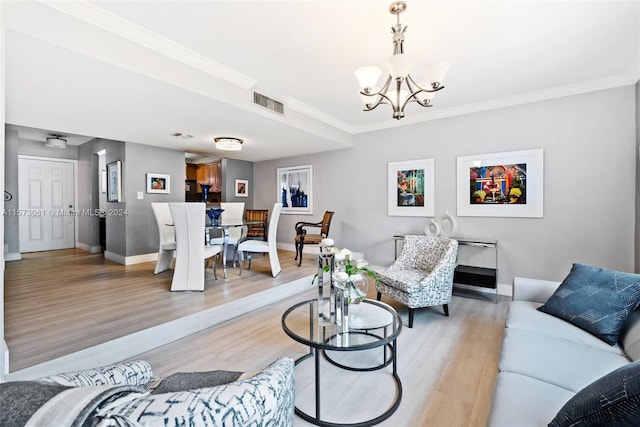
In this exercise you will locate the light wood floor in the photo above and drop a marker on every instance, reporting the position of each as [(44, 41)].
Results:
[(60, 302), (63, 301)]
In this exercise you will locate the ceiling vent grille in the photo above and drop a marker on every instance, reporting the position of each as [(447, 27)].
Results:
[(268, 103)]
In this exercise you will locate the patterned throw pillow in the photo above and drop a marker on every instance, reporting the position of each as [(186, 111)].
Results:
[(595, 299), (613, 400)]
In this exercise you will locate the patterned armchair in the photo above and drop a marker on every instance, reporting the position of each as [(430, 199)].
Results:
[(422, 276)]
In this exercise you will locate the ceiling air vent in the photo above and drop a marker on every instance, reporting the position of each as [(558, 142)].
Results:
[(268, 103)]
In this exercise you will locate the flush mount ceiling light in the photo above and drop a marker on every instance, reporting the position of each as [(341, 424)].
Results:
[(400, 88), (55, 141), (228, 143)]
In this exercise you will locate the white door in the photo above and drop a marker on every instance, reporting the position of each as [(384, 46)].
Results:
[(45, 204)]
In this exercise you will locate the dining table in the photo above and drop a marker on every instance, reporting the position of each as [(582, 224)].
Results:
[(225, 224)]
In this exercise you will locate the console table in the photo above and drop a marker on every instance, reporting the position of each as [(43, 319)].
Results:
[(485, 277)]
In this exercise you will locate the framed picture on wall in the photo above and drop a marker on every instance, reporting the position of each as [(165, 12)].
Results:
[(508, 184), (242, 188), (114, 181), (411, 188), (158, 183), (295, 189)]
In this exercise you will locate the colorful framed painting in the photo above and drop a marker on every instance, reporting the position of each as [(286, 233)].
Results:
[(158, 183), (295, 189), (508, 184), (114, 181), (411, 188), (242, 188)]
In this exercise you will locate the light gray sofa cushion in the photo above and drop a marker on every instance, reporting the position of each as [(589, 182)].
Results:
[(630, 336), (524, 315), (555, 360), (522, 401)]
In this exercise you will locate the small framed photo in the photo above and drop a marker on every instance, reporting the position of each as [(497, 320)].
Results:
[(411, 188), (114, 181), (158, 183), (242, 188)]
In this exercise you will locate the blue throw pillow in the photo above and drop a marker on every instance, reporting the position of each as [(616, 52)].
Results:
[(613, 400), (595, 299)]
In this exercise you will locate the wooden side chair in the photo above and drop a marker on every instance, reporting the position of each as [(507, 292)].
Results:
[(302, 237), (257, 230)]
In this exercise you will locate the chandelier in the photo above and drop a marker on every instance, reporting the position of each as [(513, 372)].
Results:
[(400, 88), (228, 143)]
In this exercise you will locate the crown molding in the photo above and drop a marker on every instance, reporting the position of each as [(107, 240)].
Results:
[(631, 77), (101, 18)]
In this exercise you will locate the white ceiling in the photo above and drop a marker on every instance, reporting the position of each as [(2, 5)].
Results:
[(140, 70)]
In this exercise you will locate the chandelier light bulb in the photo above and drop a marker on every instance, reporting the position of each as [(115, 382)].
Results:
[(435, 72), (400, 65), (368, 76)]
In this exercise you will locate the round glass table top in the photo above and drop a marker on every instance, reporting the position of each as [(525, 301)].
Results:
[(303, 323)]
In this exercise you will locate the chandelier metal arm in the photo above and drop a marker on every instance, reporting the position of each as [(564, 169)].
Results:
[(399, 67)]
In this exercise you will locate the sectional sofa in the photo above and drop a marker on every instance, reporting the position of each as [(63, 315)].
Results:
[(554, 372)]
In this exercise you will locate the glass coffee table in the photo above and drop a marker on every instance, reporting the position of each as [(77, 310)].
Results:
[(372, 324)]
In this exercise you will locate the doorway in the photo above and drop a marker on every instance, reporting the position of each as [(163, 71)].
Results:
[(46, 204)]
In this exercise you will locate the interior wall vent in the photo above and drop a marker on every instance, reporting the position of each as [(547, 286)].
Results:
[(268, 103)]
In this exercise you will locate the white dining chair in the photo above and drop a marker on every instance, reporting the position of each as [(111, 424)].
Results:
[(249, 246), (232, 211), (191, 251), (167, 237)]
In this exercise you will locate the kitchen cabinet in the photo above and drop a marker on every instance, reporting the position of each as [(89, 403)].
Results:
[(191, 172), (210, 174)]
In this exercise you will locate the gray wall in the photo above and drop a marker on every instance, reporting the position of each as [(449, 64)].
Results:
[(233, 169), (11, 237), (141, 230), (589, 144)]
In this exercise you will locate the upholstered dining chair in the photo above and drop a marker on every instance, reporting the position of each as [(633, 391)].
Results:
[(167, 237), (303, 237), (191, 251), (250, 246), (257, 230), (422, 276), (231, 211)]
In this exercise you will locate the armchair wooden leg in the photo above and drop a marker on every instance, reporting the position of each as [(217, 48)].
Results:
[(300, 246), (378, 296), (446, 309), (411, 310)]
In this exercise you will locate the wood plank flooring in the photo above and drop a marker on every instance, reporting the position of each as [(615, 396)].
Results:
[(448, 365), (63, 301), (60, 302)]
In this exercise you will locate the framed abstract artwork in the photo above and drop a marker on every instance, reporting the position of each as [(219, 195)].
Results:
[(242, 188), (508, 184), (158, 183), (411, 188), (114, 181), (295, 189)]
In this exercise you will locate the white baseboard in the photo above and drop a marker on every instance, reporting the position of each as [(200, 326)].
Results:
[(90, 249), (12, 256), (137, 343), (129, 260)]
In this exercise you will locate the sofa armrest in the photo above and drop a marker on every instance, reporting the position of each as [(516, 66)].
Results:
[(133, 372), (535, 290), (266, 398)]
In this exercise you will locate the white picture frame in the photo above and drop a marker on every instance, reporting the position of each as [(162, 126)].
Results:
[(295, 189), (512, 183), (158, 183), (114, 181), (241, 188), (411, 188)]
